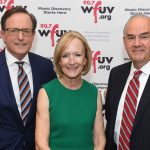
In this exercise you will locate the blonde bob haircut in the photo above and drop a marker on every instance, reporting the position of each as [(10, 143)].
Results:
[(63, 42)]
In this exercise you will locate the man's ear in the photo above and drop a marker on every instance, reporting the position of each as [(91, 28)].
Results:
[(2, 35), (124, 41)]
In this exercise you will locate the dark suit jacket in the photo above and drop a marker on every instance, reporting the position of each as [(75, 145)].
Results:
[(140, 137), (13, 134)]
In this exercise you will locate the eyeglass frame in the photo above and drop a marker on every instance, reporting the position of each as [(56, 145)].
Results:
[(17, 30)]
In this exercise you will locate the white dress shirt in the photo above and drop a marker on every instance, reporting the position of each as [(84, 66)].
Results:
[(13, 72), (142, 79)]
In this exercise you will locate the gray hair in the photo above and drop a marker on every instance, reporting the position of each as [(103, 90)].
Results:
[(136, 15)]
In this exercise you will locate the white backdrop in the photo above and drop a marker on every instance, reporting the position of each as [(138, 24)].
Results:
[(100, 21)]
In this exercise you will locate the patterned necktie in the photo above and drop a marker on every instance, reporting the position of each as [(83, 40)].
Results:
[(129, 112), (25, 92)]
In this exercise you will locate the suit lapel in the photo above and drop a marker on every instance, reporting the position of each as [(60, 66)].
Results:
[(5, 83), (120, 82), (35, 74), (36, 84), (144, 102)]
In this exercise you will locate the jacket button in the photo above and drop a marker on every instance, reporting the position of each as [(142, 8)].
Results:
[(24, 143)]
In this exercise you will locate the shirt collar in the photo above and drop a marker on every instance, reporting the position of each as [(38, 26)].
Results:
[(10, 59), (145, 69)]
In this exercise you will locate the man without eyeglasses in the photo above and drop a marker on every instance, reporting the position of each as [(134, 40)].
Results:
[(128, 94), (21, 75)]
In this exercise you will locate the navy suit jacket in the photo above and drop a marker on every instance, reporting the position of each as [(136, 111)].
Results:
[(140, 136), (13, 134)]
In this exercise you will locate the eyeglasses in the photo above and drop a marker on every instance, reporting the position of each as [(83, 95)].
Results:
[(15, 31)]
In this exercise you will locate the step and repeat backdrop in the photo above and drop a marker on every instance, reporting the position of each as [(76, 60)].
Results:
[(100, 21)]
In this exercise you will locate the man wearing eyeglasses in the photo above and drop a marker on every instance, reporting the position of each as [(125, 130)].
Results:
[(21, 72)]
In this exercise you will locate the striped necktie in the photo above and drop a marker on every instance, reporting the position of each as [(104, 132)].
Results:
[(25, 92), (129, 112)]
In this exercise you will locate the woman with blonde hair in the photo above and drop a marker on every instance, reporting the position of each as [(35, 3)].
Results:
[(69, 109)]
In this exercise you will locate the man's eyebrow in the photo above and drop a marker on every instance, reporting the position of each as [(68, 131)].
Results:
[(144, 33), (130, 35)]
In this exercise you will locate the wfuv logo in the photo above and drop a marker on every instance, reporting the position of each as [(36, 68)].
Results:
[(7, 4), (97, 9), (51, 31), (100, 62)]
